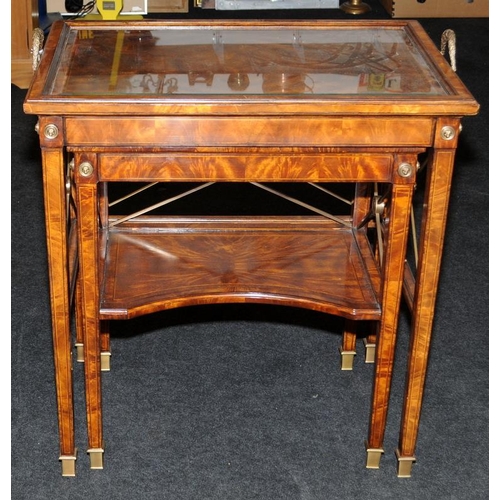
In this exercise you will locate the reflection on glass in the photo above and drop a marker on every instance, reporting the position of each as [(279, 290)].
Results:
[(254, 61)]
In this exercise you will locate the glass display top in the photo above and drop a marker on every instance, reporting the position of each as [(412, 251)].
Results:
[(239, 61)]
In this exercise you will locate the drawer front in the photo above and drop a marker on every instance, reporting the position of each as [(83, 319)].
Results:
[(346, 167)]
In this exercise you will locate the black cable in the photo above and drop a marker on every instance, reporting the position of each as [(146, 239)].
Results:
[(73, 5), (83, 10)]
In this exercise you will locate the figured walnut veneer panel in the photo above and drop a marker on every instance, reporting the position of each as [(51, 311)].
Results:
[(289, 261)]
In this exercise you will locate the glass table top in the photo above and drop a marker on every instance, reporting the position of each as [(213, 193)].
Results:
[(212, 60)]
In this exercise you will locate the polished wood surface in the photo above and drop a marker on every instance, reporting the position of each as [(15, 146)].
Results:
[(62, 95), (186, 131), (201, 128), (308, 262), (438, 188)]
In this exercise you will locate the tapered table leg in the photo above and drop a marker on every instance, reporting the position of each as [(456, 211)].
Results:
[(105, 347), (361, 208), (105, 339), (78, 320), (437, 194), (88, 239), (348, 349), (57, 250), (393, 267), (370, 343)]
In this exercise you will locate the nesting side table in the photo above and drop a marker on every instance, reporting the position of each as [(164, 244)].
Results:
[(261, 103)]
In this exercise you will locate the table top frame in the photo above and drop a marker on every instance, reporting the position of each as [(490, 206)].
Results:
[(458, 101)]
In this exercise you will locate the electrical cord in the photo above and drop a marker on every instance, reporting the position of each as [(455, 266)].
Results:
[(82, 10), (73, 5)]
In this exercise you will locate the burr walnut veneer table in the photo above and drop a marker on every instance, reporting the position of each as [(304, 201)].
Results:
[(127, 108)]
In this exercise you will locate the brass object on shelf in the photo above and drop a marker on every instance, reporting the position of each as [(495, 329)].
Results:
[(355, 7), (238, 81)]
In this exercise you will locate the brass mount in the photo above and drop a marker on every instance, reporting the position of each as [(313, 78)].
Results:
[(355, 7)]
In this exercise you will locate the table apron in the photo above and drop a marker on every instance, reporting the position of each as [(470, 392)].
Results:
[(249, 131)]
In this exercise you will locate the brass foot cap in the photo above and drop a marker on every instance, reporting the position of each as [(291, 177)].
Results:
[(347, 359), (405, 465), (79, 352), (105, 361), (68, 465), (373, 456), (369, 351), (96, 458)]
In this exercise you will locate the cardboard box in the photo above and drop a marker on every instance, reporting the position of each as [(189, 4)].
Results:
[(155, 6), (436, 8)]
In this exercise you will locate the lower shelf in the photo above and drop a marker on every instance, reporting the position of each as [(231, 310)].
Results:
[(157, 263)]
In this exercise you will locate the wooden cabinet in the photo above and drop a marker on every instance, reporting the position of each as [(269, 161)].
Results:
[(24, 19)]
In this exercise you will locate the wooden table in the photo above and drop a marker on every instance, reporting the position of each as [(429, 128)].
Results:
[(128, 107)]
